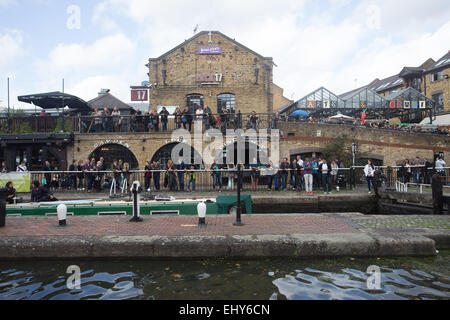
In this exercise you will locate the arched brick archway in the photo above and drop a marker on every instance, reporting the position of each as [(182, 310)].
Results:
[(163, 154), (111, 152)]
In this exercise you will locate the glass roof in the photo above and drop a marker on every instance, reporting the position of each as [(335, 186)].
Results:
[(319, 99), (360, 99)]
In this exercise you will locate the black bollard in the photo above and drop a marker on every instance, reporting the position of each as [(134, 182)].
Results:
[(2, 207), (438, 193), (136, 189)]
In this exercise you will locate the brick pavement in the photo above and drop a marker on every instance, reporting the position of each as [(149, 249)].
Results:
[(176, 226)]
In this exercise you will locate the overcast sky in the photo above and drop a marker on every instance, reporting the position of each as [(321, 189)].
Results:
[(338, 44)]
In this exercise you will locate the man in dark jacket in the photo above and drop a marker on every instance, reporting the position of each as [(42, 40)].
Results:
[(284, 167), (40, 193), (164, 118)]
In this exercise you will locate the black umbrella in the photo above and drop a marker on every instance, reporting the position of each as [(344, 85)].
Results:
[(55, 100)]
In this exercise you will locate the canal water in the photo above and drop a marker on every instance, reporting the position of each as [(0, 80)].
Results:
[(276, 279)]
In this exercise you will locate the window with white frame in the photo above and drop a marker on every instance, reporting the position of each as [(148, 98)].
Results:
[(436, 76)]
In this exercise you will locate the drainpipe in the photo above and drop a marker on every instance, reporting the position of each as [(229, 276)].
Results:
[(269, 106)]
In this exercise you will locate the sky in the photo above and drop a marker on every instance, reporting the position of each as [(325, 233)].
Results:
[(338, 44)]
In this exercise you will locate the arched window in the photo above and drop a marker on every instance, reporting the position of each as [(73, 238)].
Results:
[(111, 152), (194, 101), (226, 102)]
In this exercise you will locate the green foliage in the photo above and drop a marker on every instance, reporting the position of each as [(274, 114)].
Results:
[(67, 126), (23, 127), (341, 148)]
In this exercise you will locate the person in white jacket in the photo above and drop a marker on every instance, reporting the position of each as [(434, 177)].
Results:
[(369, 171)]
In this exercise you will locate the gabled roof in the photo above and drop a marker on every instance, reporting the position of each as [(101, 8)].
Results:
[(212, 32), (441, 63), (407, 92), (107, 100), (407, 71), (391, 82)]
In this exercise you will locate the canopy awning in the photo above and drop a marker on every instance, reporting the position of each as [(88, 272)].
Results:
[(55, 100)]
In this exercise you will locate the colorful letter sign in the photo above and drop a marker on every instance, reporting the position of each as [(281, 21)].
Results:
[(392, 104), (407, 105), (326, 104), (310, 104), (414, 104), (209, 50), (422, 104)]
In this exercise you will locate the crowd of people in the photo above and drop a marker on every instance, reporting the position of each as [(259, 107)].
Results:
[(382, 124), (306, 174), (419, 171), (107, 120)]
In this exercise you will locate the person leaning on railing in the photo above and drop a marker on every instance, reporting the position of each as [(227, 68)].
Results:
[(156, 175), (187, 118), (192, 177), (178, 118), (164, 118), (440, 165), (147, 175), (4, 168)]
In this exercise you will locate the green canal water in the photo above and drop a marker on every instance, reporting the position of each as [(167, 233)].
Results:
[(276, 279)]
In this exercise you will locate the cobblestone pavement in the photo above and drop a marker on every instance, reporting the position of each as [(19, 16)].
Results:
[(403, 222), (176, 226)]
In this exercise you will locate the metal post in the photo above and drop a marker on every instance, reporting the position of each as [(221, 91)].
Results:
[(2, 206), (135, 190), (238, 222), (9, 115)]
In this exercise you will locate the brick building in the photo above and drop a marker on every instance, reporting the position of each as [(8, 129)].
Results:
[(211, 69), (430, 78)]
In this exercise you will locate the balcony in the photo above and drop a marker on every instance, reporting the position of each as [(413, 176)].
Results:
[(126, 124)]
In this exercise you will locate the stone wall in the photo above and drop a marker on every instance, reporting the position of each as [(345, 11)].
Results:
[(245, 74), (439, 86), (389, 146)]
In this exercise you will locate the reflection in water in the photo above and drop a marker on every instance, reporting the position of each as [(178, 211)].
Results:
[(405, 278)]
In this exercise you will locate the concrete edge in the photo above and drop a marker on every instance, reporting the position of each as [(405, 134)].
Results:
[(195, 247)]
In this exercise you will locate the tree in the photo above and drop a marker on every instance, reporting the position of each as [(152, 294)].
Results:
[(341, 148)]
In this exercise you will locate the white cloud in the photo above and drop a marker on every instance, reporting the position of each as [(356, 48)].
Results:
[(106, 53), (101, 17), (11, 43), (385, 57), (313, 43), (89, 87)]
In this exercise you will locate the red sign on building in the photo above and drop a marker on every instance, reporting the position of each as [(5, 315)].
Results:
[(139, 95)]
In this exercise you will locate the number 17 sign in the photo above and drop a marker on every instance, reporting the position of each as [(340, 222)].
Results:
[(139, 95)]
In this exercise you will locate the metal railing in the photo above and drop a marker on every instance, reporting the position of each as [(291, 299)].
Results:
[(131, 123), (222, 180), (163, 180), (151, 123)]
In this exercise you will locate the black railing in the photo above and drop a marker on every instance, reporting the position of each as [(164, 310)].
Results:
[(131, 123), (157, 124), (207, 180)]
